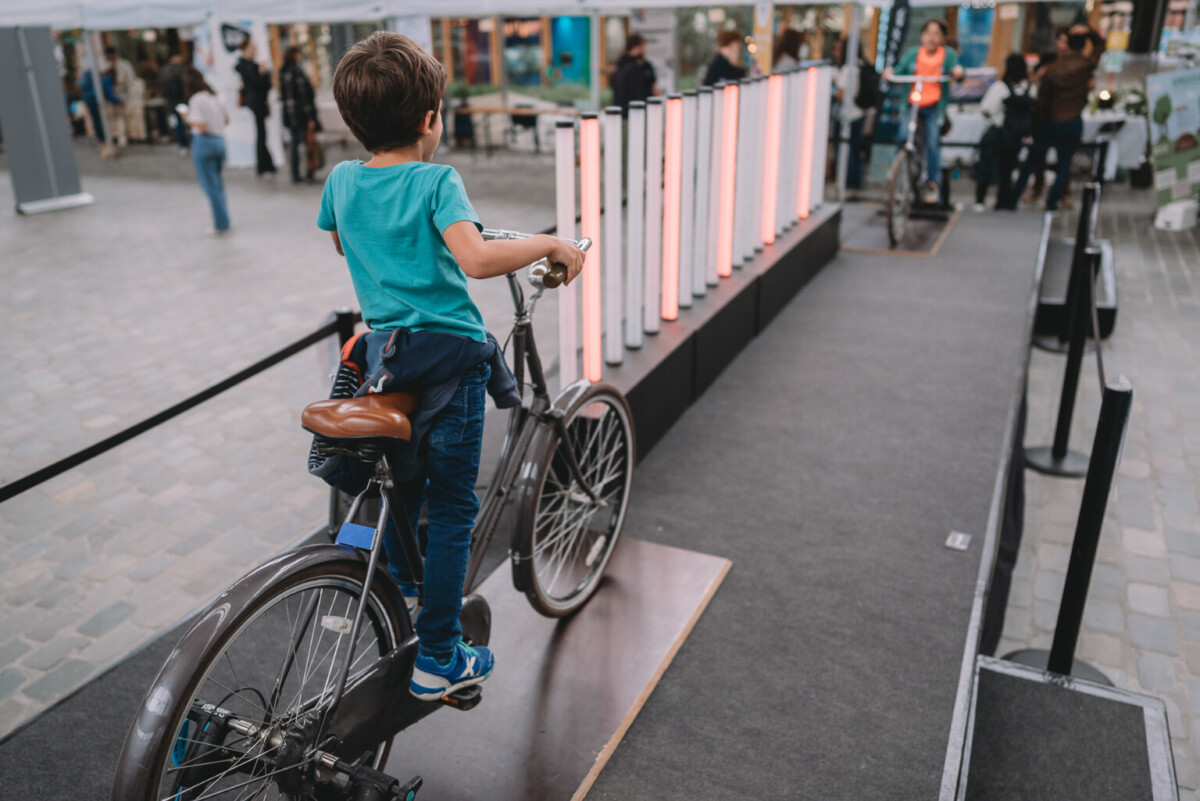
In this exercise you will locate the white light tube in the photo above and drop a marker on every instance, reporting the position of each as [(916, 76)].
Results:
[(651, 297), (635, 228), (741, 193), (614, 252), (687, 207), (567, 296), (701, 231)]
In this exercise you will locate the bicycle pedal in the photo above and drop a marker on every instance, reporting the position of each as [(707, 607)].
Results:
[(464, 699)]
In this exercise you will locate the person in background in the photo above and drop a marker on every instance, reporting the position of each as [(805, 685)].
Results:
[(91, 99), (726, 64), (1062, 96), (256, 84), (1039, 171), (863, 103), (171, 77), (787, 50), (299, 109), (931, 59), (207, 119), (634, 77), (124, 80), (1001, 143)]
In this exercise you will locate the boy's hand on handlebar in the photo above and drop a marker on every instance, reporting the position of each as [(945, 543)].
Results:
[(958, 73), (568, 255), (887, 73)]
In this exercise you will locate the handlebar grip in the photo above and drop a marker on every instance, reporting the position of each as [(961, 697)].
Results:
[(557, 274)]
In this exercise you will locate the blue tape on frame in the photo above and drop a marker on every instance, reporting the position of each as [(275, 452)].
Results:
[(355, 536)]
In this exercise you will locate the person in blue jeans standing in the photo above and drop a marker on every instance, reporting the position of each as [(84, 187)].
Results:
[(207, 118), (1062, 97), (411, 239)]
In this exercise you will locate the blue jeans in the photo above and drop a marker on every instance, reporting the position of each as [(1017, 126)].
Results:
[(208, 154), (1064, 137), (933, 143), (450, 461), (854, 162)]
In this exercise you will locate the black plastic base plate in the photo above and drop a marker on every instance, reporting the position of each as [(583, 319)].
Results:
[(1041, 459), (1039, 658), (1052, 344)]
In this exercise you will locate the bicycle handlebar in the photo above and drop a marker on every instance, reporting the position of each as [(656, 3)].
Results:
[(541, 272)]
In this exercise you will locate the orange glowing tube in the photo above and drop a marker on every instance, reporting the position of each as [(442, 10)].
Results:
[(729, 134), (771, 157), (589, 201), (672, 199), (808, 126)]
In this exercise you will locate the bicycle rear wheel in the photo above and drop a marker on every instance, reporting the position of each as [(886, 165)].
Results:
[(236, 711), (899, 201), (564, 539)]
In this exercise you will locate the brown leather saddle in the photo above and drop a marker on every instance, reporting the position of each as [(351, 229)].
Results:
[(367, 418)]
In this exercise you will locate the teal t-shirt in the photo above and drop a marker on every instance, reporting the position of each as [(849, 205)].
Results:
[(390, 222)]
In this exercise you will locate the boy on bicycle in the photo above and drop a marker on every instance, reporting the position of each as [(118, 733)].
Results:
[(930, 59), (411, 239)]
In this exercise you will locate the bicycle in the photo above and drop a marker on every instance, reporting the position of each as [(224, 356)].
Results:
[(288, 687), (904, 177)]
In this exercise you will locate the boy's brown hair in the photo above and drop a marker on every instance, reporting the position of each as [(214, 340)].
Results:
[(384, 86), (726, 38)]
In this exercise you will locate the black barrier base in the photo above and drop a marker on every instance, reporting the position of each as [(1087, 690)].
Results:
[(1052, 344), (1041, 459), (1039, 658)]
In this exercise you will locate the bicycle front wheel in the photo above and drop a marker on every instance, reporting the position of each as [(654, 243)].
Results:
[(236, 712), (899, 201), (565, 536)]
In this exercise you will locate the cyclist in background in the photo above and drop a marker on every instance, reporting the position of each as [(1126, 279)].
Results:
[(932, 58)]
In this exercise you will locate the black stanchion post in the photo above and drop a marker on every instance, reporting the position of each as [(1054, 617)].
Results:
[(1085, 232), (1100, 161), (345, 325), (1106, 451), (1058, 459)]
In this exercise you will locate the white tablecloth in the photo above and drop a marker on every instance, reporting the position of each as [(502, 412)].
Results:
[(968, 126)]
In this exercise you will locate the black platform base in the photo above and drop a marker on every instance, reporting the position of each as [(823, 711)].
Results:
[(1052, 344), (1036, 735), (1040, 657), (1042, 459), (1051, 317)]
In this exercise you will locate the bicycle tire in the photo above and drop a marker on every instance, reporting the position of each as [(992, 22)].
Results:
[(899, 201), (563, 541), (165, 749)]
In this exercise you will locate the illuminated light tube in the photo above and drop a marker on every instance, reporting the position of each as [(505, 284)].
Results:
[(568, 296), (808, 125), (725, 197), (771, 157), (589, 202), (687, 200), (635, 226), (821, 136), (745, 140), (614, 300), (672, 184), (702, 235), (713, 196), (786, 136), (796, 145), (651, 296), (752, 240)]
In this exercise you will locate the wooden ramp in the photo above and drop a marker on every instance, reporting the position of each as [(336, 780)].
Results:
[(564, 692), (923, 237)]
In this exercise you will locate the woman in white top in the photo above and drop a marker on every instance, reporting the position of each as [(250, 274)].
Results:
[(207, 118), (999, 148)]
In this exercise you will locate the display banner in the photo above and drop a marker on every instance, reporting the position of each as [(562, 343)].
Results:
[(1174, 99), (897, 28), (658, 27)]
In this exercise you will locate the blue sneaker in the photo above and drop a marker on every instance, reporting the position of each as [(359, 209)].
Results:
[(432, 680)]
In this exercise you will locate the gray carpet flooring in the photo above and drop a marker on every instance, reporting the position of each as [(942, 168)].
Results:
[(829, 462)]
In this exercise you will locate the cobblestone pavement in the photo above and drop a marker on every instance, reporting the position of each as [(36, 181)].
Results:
[(1141, 626), (116, 311)]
